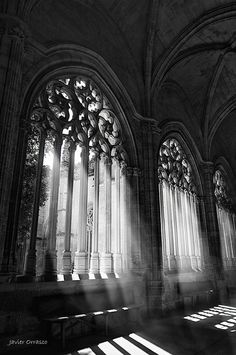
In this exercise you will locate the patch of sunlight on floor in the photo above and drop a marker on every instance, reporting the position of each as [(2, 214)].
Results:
[(220, 310), (128, 346), (228, 324), (109, 349), (192, 319), (124, 346), (220, 326), (197, 316), (86, 351), (154, 348)]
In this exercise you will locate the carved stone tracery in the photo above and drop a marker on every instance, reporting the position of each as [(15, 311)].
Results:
[(78, 110), (174, 167), (220, 191)]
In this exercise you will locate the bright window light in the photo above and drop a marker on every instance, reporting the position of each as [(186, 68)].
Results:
[(60, 277), (192, 319), (75, 277), (97, 313), (211, 312), (125, 308), (198, 316), (219, 326), (205, 314), (156, 349), (117, 276), (220, 305), (80, 315), (129, 347), (86, 351), (104, 275), (91, 276), (109, 349), (227, 324), (48, 159), (232, 320), (112, 310)]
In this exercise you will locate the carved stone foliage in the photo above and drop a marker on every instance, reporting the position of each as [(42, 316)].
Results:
[(220, 190), (76, 109), (173, 166)]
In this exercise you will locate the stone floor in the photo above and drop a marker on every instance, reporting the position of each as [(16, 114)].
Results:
[(211, 330)]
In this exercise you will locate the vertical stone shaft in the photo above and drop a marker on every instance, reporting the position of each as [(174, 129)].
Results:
[(94, 261), (51, 258), (11, 59), (81, 255), (31, 256), (66, 259), (106, 258)]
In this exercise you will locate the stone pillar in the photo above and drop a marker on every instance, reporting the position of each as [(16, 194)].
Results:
[(94, 261), (11, 59), (123, 213), (106, 256), (81, 255), (117, 258), (30, 269), (51, 254), (211, 216), (66, 258), (135, 238)]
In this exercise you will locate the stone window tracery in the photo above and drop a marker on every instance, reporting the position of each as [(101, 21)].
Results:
[(179, 208), (226, 220), (80, 143)]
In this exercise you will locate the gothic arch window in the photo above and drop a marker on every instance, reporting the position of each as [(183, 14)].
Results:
[(180, 226), (226, 220), (76, 159)]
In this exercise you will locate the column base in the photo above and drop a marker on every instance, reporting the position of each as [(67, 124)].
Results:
[(106, 263), (30, 269), (194, 263), (185, 262), (171, 262), (81, 263), (94, 263), (66, 263), (117, 262), (50, 272)]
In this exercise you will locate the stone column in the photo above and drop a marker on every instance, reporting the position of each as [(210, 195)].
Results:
[(106, 256), (94, 261), (51, 254), (30, 269), (123, 213), (81, 255), (135, 221), (11, 59), (211, 217), (117, 258), (66, 258)]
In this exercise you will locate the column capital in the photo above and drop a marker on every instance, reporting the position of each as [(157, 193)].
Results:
[(152, 124), (123, 167), (13, 27), (137, 172), (106, 159), (208, 166), (19, 8)]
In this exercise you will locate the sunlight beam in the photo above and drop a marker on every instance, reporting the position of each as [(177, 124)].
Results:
[(156, 349)]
